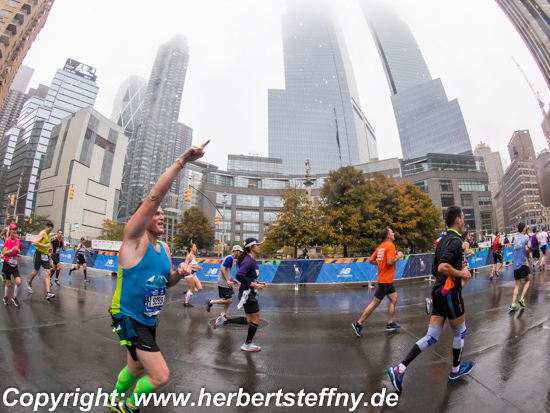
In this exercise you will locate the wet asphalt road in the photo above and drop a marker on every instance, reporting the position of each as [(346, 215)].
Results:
[(307, 343)]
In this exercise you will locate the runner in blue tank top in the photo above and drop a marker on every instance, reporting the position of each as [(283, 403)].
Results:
[(143, 276)]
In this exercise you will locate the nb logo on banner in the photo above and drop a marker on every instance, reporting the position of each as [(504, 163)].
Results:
[(110, 262), (212, 272), (345, 272)]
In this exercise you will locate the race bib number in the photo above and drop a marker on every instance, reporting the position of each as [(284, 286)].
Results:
[(12, 261), (44, 257), (57, 250), (154, 300)]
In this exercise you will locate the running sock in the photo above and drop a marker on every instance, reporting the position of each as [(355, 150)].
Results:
[(125, 381), (252, 327), (16, 290), (6, 291), (430, 338), (402, 368), (188, 297), (73, 269), (57, 274), (222, 314), (237, 320), (457, 355), (85, 276), (142, 387)]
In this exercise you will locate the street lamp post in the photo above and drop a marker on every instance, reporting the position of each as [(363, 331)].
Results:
[(223, 223)]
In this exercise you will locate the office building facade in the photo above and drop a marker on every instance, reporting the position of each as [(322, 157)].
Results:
[(542, 166), (426, 120), (154, 146), (85, 152), (72, 89), (20, 23), (318, 115)]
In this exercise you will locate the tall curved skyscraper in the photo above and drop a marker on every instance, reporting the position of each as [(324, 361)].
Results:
[(318, 115), (128, 102), (427, 121), (154, 143)]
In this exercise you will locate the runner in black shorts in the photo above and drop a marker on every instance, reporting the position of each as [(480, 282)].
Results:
[(385, 257), (58, 245), (80, 258), (12, 247), (521, 266), (247, 275), (42, 258), (447, 300)]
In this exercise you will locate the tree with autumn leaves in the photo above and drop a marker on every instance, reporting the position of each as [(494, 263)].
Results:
[(195, 227), (353, 211)]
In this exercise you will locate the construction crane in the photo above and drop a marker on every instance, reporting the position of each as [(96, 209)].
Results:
[(536, 93)]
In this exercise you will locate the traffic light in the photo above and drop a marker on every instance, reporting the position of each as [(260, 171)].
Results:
[(220, 241), (7, 216), (71, 193), (188, 195), (217, 220), (12, 202), (30, 221)]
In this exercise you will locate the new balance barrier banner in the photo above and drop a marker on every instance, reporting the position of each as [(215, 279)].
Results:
[(417, 265), (67, 256), (299, 271), (106, 261)]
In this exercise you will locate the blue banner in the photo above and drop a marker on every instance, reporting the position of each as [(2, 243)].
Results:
[(106, 262), (67, 257)]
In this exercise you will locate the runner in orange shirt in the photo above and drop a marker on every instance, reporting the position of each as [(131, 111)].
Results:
[(385, 257)]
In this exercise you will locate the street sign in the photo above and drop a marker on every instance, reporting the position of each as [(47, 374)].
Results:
[(76, 224)]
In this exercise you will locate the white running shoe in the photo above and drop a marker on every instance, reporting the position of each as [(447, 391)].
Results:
[(29, 287)]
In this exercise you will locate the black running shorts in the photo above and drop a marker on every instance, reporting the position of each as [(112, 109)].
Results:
[(55, 259), (251, 306), (41, 260), (497, 257), (145, 340), (225, 292), (543, 249), (521, 272), (8, 271), (384, 290), (80, 259), (536, 254), (450, 305)]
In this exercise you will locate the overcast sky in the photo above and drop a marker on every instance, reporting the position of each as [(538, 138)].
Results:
[(236, 56)]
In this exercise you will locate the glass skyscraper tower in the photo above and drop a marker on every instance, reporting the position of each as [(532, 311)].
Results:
[(318, 115), (531, 18), (427, 121), (153, 148)]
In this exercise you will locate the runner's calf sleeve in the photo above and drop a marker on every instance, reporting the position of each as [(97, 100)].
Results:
[(252, 327), (142, 387), (237, 320), (430, 338), (188, 297), (125, 381), (459, 334)]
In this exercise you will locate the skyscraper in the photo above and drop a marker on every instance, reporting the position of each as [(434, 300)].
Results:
[(72, 89), (318, 115), (426, 120), (20, 23), (154, 144), (128, 102), (127, 114), (493, 165), (531, 18), (16, 97)]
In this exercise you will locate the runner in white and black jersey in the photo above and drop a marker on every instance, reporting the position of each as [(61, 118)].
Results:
[(543, 245), (225, 285), (81, 258)]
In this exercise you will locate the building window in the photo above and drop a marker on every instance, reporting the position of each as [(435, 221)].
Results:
[(5, 13), (471, 185), (219, 198), (445, 185), (245, 215), (467, 200), (447, 200), (13, 3), (248, 200), (273, 202), (423, 186), (487, 222), (485, 201)]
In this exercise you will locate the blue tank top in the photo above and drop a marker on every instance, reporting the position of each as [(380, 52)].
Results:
[(141, 290)]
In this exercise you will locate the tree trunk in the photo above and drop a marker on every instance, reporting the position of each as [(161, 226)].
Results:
[(345, 251), (295, 251)]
